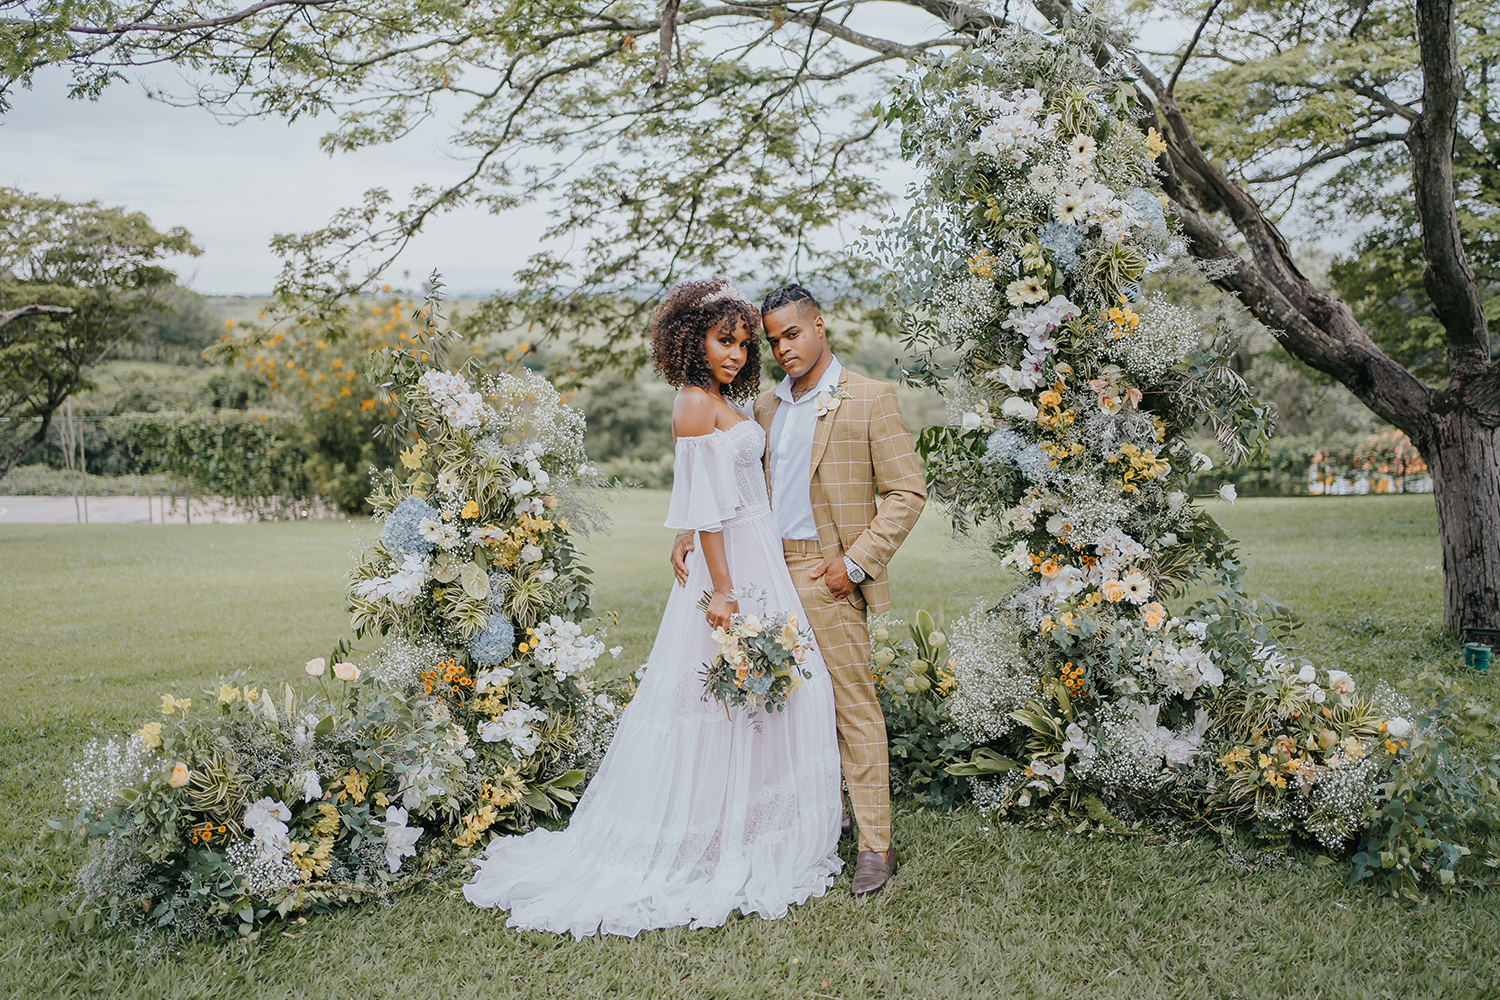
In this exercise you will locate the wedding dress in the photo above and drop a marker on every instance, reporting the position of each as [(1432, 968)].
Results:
[(692, 814)]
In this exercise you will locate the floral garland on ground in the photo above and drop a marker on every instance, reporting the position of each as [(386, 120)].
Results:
[(1019, 275), (475, 716)]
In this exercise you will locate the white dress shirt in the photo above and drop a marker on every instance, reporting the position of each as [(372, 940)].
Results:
[(790, 457)]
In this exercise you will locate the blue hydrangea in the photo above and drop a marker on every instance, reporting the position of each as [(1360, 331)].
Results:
[(1007, 447), (494, 645), (1063, 241), (401, 534), (1145, 202)]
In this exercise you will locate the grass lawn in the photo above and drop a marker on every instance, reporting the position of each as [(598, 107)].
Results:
[(96, 622)]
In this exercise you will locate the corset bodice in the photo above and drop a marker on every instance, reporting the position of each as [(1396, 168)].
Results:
[(749, 442)]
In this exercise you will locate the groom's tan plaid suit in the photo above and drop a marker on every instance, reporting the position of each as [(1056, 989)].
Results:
[(866, 490)]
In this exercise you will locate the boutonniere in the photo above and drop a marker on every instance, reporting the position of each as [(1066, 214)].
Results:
[(827, 402)]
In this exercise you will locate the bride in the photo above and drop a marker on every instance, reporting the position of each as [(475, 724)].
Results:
[(694, 814)]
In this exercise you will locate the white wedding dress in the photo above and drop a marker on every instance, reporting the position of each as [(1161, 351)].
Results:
[(693, 814)]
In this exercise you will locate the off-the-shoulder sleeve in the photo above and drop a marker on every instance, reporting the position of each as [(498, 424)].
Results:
[(703, 493)]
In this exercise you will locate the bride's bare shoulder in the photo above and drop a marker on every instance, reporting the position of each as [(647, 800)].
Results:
[(694, 412)]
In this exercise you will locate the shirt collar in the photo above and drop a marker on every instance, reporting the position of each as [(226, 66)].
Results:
[(828, 383)]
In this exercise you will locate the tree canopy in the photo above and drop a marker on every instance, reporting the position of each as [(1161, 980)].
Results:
[(76, 280)]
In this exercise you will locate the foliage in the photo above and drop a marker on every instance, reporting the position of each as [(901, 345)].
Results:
[(316, 361), (1287, 465), (914, 678), (1072, 408), (98, 269), (216, 818), (282, 803), (250, 459), (1279, 89)]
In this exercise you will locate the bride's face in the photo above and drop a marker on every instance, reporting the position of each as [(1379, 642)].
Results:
[(727, 351)]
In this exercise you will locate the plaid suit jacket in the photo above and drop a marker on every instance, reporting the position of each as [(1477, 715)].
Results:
[(867, 487)]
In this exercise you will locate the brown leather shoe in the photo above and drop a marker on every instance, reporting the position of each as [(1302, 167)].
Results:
[(846, 828), (872, 870)]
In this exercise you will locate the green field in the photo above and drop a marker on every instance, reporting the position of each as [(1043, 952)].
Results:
[(98, 621)]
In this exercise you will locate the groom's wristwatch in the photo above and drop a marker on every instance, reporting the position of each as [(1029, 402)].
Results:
[(856, 575)]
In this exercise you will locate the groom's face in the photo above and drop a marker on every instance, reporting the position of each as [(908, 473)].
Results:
[(797, 338)]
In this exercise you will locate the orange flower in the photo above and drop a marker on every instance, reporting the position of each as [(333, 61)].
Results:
[(1049, 568)]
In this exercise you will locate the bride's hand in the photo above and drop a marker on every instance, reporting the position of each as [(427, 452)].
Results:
[(720, 607)]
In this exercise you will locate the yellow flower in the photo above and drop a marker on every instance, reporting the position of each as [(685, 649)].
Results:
[(1047, 626), (982, 264), (412, 457), (228, 695), (179, 775), (150, 735), (470, 511), (1155, 144), (170, 704), (1235, 759)]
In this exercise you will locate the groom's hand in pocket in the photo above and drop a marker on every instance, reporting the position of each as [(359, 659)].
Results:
[(833, 574), (680, 550)]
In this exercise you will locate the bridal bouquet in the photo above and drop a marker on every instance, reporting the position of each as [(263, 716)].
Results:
[(759, 663)]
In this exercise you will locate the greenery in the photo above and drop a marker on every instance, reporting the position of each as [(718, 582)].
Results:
[(1156, 915), (76, 281)]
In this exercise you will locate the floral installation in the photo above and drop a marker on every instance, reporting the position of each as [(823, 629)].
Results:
[(759, 662), (475, 716), (1020, 276)]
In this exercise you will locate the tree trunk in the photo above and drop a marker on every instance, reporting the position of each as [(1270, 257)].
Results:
[(1464, 456)]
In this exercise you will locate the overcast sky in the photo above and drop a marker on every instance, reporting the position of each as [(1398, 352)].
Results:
[(234, 187)]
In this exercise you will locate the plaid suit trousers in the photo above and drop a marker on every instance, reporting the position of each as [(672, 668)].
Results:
[(843, 639)]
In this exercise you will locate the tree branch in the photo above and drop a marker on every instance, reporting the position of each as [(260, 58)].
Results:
[(1191, 45), (32, 310), (1447, 275), (1350, 146)]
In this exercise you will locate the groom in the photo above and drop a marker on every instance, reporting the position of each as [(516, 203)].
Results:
[(846, 488)]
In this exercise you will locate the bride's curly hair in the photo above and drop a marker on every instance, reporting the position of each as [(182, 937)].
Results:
[(681, 321)]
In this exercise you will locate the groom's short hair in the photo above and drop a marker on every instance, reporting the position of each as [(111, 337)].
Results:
[(786, 295)]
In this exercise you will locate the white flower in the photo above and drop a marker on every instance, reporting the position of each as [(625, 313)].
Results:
[(266, 819), (316, 667), (449, 481), (430, 530), (519, 488), (1137, 587), (1227, 493), (1397, 727), (1055, 772), (1198, 630), (1201, 462), (1025, 291), (1340, 682), (1316, 694), (615, 651), (1175, 500), (346, 671), (1016, 408), (1169, 539), (1081, 150), (1068, 208), (1307, 674), (400, 839), (531, 553), (311, 788), (496, 677), (972, 421)]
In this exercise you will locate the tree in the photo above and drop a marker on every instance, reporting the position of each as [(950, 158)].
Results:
[(76, 280), (738, 145), (1362, 91)]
